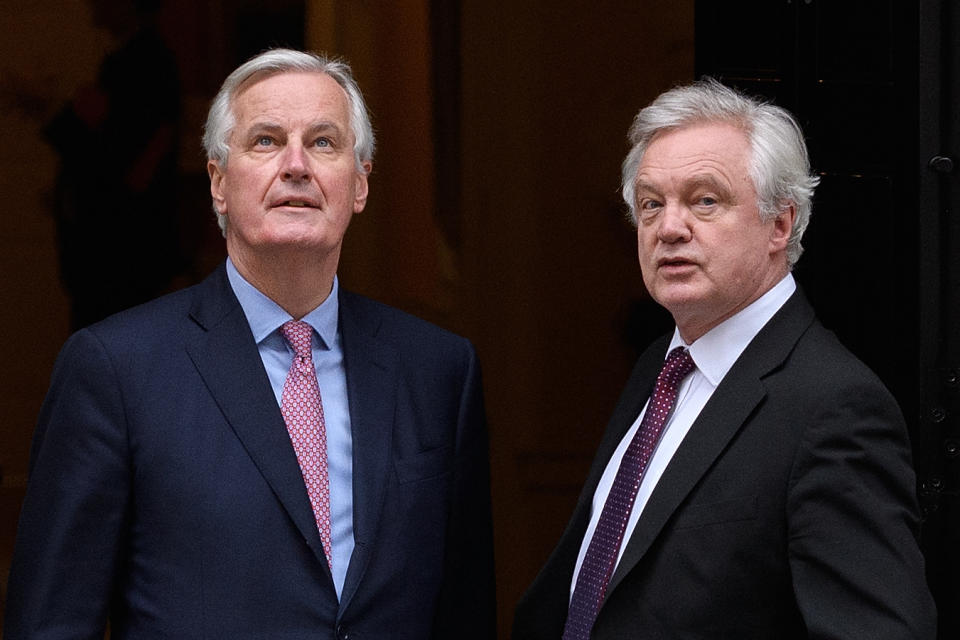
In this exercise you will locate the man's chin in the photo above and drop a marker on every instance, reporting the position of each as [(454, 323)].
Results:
[(676, 295), (685, 304), (286, 244)]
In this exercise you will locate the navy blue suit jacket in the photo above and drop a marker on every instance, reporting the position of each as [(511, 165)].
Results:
[(787, 512), (164, 493)]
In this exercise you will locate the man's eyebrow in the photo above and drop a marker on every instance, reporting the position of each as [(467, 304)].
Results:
[(263, 127), (696, 181), (324, 126), (273, 127), (643, 185)]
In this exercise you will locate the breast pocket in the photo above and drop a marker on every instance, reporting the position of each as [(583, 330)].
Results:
[(712, 513), (424, 465)]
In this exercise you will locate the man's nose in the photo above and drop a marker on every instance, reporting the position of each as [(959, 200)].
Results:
[(674, 223), (296, 166)]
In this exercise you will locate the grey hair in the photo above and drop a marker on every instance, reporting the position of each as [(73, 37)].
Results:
[(779, 164), (221, 119)]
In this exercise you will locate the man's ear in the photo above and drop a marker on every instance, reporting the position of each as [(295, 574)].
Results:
[(782, 227), (362, 188), (216, 186)]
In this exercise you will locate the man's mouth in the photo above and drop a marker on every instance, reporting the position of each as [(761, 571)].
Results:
[(673, 262), (306, 204)]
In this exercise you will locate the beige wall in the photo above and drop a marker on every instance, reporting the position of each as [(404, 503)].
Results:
[(549, 92)]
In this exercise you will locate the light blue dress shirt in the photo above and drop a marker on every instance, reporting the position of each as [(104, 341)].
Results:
[(265, 318)]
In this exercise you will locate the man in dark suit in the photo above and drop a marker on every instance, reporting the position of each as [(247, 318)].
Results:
[(766, 489), (263, 455)]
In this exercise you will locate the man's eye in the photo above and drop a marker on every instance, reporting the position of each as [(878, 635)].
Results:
[(264, 141), (322, 142), (648, 206), (708, 201)]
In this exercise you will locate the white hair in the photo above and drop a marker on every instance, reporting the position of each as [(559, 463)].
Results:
[(779, 165), (221, 119)]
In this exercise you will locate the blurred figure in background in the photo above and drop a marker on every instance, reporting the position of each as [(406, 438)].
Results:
[(116, 193)]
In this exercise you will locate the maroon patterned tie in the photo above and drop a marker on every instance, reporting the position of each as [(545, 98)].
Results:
[(303, 413), (601, 556)]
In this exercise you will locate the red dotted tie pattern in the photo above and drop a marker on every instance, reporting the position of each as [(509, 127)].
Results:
[(303, 413), (601, 556)]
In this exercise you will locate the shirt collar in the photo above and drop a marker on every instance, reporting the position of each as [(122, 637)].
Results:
[(717, 350), (265, 316)]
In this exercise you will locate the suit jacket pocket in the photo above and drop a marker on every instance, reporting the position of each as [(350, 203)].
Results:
[(707, 513), (424, 465)]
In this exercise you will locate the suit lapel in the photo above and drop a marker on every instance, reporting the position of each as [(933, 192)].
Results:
[(719, 421), (229, 363), (730, 407), (371, 388)]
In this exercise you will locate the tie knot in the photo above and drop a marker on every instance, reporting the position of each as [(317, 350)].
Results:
[(678, 365), (299, 335)]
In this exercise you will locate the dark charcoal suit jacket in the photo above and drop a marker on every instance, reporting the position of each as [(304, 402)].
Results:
[(788, 511), (164, 492)]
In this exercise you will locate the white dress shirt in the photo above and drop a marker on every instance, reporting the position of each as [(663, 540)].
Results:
[(714, 354)]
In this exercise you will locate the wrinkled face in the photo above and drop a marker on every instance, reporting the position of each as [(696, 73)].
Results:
[(704, 252), (290, 184)]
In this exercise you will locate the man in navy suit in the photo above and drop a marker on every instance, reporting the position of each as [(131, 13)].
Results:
[(167, 496), (770, 493)]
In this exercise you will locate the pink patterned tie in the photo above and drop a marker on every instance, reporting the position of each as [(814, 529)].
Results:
[(303, 413), (601, 556)]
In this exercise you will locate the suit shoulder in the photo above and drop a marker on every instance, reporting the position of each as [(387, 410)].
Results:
[(820, 371), (821, 350), (152, 323)]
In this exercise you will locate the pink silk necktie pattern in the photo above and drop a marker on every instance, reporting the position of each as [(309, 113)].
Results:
[(303, 413), (604, 546)]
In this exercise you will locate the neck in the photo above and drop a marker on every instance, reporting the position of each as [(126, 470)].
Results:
[(298, 283), (693, 324)]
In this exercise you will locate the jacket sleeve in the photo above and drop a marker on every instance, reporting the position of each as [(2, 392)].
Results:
[(851, 508), (70, 533)]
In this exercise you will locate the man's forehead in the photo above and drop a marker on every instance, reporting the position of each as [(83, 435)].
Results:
[(271, 74), (700, 151), (266, 89)]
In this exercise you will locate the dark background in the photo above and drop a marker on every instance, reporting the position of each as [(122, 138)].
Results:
[(494, 204)]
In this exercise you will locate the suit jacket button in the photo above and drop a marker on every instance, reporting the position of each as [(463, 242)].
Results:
[(342, 633)]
